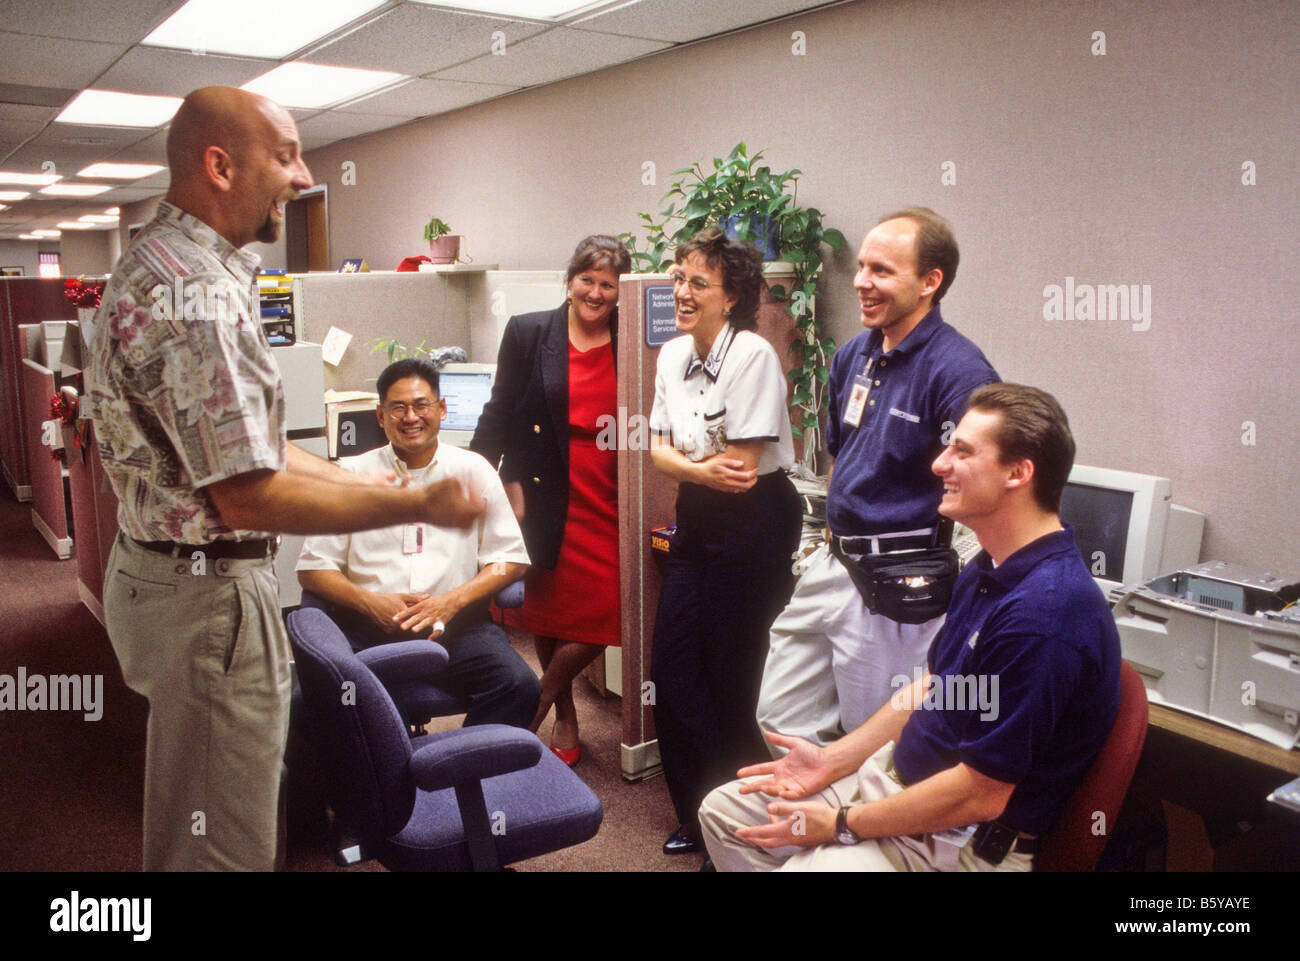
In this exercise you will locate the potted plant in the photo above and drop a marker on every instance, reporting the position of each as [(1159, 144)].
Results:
[(444, 246), (749, 201)]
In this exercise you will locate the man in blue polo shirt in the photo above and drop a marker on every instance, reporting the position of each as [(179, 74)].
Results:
[(896, 391), (965, 766)]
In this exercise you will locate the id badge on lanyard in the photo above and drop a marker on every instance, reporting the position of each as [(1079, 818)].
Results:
[(858, 396), (413, 539)]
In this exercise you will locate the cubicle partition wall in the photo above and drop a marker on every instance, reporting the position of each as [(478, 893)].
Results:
[(43, 437), (23, 300), (646, 498), (428, 308), (457, 305), (94, 516)]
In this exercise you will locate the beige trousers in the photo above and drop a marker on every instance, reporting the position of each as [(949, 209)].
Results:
[(725, 809), (204, 643)]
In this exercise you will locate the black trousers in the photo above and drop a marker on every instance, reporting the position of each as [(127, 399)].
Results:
[(727, 578)]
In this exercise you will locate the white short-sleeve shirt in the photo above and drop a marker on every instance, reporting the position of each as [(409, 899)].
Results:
[(395, 560), (736, 394)]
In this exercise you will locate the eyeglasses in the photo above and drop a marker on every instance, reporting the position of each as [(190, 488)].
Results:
[(420, 408), (698, 285)]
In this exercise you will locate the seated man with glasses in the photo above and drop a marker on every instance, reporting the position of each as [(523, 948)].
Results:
[(423, 580)]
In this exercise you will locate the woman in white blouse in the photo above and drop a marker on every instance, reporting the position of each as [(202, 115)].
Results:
[(722, 430)]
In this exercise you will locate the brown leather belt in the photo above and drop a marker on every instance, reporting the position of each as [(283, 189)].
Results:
[(239, 550)]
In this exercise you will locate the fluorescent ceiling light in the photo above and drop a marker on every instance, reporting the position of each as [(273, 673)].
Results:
[(108, 108), (113, 211), (254, 28), (28, 237), (97, 219), (29, 180), (120, 171), (313, 85), (4, 206), (530, 9), (45, 232), (75, 190), (74, 225), (14, 194)]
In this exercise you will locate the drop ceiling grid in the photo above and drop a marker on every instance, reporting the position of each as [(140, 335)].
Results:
[(58, 47), (417, 40), (553, 56)]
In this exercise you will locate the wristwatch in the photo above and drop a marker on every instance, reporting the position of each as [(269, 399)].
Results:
[(843, 833)]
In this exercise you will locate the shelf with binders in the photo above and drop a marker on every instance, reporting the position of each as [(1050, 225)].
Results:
[(275, 292)]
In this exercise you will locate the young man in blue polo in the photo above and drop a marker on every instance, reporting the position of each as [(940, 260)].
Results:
[(944, 777)]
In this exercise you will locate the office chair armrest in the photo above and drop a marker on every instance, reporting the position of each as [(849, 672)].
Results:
[(512, 595), (449, 758), (404, 660)]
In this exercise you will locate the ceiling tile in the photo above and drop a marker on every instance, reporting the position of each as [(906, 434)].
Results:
[(680, 22), (417, 40), (423, 98), (27, 113), (16, 131), (326, 128), (40, 61), (67, 158), (151, 150), (114, 21), (75, 136), (174, 73), (554, 55)]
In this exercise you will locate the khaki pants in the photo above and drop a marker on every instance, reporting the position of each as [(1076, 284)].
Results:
[(726, 809), (204, 643), (831, 663)]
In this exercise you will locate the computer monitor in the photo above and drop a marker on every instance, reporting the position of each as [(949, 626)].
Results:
[(1126, 527), (465, 388), (352, 427)]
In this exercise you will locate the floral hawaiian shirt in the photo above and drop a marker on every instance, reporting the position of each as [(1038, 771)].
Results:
[(181, 386)]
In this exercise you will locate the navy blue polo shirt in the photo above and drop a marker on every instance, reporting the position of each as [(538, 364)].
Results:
[(882, 482), (1035, 640)]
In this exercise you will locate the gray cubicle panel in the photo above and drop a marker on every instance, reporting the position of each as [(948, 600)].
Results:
[(428, 308), (463, 306)]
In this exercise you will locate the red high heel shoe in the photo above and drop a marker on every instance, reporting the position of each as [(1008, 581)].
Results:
[(569, 755)]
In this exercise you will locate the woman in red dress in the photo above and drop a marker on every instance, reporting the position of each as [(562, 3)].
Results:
[(555, 382)]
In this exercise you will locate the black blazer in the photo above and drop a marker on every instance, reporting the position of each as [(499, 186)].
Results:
[(524, 427)]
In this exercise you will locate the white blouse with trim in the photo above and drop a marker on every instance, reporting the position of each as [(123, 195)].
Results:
[(735, 394)]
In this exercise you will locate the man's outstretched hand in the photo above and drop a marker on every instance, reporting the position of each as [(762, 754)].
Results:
[(447, 505), (803, 771)]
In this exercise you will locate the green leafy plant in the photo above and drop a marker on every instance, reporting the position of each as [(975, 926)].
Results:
[(435, 228), (741, 193), (395, 351)]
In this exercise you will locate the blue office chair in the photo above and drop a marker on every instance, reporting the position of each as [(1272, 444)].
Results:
[(418, 699), (471, 799)]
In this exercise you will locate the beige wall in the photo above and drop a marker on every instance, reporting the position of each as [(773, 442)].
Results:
[(85, 252), (1122, 168), (20, 253)]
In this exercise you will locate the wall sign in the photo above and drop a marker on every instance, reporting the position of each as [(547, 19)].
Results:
[(660, 315)]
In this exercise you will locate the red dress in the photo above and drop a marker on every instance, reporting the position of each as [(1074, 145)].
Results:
[(579, 600)]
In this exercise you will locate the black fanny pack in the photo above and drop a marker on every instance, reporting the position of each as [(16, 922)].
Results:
[(910, 587)]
